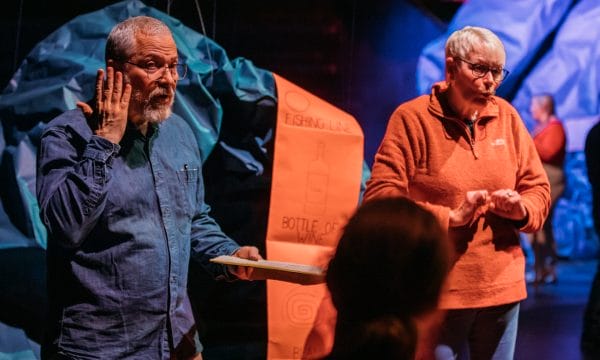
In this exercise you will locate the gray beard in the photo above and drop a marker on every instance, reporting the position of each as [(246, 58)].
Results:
[(156, 115), (153, 113)]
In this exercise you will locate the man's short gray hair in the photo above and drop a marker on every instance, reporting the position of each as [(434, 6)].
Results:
[(462, 42), (121, 42)]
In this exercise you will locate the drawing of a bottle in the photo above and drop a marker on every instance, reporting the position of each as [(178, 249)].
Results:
[(317, 182)]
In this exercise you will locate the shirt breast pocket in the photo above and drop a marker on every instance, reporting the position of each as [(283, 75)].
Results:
[(188, 190)]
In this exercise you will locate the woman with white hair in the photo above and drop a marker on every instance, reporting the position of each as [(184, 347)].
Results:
[(464, 154)]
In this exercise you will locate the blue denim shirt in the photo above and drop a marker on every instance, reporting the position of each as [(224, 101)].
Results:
[(123, 221)]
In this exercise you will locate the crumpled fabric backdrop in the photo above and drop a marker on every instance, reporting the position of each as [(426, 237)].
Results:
[(552, 46)]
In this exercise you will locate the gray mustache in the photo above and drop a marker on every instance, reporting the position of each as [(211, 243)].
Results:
[(162, 92)]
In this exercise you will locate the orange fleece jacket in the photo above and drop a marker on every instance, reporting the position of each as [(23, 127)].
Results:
[(434, 159)]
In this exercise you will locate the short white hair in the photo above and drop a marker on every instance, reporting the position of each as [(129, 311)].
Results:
[(464, 41)]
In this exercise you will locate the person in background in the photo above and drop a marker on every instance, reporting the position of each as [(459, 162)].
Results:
[(550, 141), (590, 337), (465, 155), (388, 269), (121, 194)]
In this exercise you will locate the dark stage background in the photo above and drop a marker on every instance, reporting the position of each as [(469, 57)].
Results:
[(362, 56)]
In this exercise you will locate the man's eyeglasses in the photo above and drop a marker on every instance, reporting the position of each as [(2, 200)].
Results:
[(480, 71), (156, 71)]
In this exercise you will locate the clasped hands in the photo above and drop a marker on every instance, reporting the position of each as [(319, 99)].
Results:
[(505, 203)]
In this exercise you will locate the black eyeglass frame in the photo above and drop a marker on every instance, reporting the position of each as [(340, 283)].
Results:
[(179, 68), (480, 71)]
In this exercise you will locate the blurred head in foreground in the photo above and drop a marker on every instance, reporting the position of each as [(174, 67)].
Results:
[(389, 267)]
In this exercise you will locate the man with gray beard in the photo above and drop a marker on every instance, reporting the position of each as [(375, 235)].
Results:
[(120, 189)]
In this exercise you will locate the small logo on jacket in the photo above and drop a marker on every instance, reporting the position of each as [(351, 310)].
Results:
[(498, 142)]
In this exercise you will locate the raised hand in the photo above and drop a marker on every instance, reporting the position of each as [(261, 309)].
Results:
[(471, 206), (108, 118), (507, 204)]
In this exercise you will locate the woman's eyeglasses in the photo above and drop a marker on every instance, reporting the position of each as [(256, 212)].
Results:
[(480, 71)]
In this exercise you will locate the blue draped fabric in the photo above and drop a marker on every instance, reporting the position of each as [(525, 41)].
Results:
[(570, 69), (521, 25), (61, 70)]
